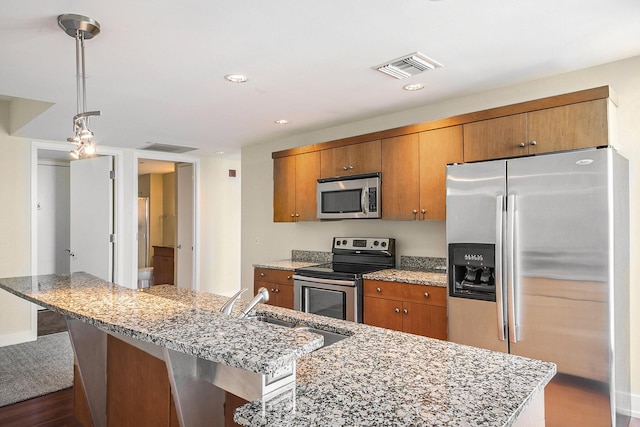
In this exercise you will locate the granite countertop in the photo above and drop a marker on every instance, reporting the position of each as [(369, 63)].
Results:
[(381, 377), (191, 324), (285, 264), (409, 275)]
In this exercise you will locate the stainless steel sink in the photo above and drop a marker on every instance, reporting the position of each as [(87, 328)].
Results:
[(329, 337)]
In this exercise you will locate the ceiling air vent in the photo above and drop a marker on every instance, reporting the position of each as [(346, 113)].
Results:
[(408, 65), (166, 148)]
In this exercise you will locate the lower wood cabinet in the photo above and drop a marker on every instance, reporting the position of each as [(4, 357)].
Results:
[(231, 403), (279, 283), (163, 265), (416, 309)]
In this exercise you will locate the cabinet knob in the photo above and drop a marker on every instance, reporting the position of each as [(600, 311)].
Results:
[(273, 290), (344, 168), (297, 215), (426, 294), (276, 290), (378, 290), (350, 167), (261, 274), (288, 277), (405, 311), (414, 211), (533, 143), (397, 310), (292, 215), (522, 144)]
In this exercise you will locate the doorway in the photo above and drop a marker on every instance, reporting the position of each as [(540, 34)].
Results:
[(166, 220)]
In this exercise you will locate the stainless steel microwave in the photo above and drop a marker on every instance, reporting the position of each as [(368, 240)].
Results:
[(356, 196)]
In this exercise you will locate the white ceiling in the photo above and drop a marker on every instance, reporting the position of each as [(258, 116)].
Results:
[(156, 69)]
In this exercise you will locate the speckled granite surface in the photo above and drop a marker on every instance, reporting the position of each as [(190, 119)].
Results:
[(416, 277), (311, 256), (423, 263), (285, 264), (190, 324), (379, 377)]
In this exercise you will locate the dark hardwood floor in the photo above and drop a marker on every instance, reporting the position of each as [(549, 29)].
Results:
[(50, 410)]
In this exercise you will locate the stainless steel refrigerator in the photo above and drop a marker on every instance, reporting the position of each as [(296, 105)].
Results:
[(538, 265)]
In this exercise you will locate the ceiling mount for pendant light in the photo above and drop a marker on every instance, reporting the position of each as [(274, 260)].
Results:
[(81, 28)]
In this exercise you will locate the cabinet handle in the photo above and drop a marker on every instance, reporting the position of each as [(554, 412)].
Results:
[(405, 311), (522, 144), (533, 143), (261, 274), (378, 290), (426, 294), (397, 310)]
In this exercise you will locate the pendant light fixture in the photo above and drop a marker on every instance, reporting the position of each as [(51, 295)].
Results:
[(80, 28)]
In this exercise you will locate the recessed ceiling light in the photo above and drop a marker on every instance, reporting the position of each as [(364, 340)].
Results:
[(413, 86), (236, 78), (282, 122)]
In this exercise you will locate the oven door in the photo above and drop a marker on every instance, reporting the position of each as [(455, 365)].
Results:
[(339, 299)]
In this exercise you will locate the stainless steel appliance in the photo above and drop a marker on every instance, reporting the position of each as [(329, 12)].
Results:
[(538, 257), (356, 196), (335, 289)]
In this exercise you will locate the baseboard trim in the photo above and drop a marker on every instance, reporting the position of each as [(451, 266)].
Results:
[(17, 338), (635, 405)]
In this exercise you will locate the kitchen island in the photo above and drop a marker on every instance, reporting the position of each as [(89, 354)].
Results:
[(372, 377)]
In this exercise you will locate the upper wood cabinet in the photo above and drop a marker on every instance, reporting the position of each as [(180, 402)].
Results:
[(567, 127), (438, 148), (294, 187), (350, 159), (401, 177), (414, 172)]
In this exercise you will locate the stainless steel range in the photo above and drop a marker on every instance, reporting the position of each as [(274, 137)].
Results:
[(335, 289)]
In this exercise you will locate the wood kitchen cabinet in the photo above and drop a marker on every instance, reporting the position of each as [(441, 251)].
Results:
[(414, 173), (279, 283), (416, 309), (163, 265), (568, 127), (351, 159), (294, 187)]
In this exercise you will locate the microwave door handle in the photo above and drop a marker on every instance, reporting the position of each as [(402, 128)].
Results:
[(363, 199)]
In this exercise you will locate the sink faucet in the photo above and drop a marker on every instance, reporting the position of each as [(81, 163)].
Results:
[(261, 296), (228, 306)]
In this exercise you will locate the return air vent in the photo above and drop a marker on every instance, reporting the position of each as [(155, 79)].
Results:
[(166, 148), (408, 65)]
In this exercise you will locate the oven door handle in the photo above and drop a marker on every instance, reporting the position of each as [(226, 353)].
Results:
[(326, 281)]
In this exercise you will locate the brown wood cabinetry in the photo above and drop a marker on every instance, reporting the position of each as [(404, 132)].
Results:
[(414, 172), (350, 159), (231, 403), (567, 127), (416, 309), (279, 283), (163, 265), (294, 187)]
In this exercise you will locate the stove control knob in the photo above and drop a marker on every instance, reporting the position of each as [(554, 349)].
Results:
[(376, 243), (344, 242), (383, 244), (338, 243)]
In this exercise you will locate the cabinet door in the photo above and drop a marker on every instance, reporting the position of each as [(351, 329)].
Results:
[(568, 127), (384, 313), (284, 296), (496, 138), (307, 172), (334, 162), (284, 189), (437, 148), (163, 270), (400, 177), (365, 157), (426, 320)]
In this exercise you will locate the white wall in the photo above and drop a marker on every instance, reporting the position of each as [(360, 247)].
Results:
[(263, 240), (53, 217)]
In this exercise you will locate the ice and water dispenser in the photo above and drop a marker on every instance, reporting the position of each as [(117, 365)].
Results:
[(472, 271)]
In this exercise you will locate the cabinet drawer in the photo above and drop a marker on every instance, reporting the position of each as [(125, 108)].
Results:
[(284, 277), (433, 295)]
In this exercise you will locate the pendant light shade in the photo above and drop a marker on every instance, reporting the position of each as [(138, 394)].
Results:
[(81, 28)]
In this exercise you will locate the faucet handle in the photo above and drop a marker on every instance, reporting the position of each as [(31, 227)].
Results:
[(261, 296), (228, 306)]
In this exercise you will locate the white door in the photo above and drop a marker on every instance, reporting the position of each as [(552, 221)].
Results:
[(184, 248), (91, 200)]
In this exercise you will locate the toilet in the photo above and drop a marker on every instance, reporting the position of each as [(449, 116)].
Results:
[(145, 276)]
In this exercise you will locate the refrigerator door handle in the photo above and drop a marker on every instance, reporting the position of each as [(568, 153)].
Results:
[(511, 273), (498, 266)]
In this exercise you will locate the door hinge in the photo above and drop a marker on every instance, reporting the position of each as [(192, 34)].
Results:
[(112, 238), (112, 174)]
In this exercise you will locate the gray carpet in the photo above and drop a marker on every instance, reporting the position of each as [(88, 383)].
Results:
[(35, 368)]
